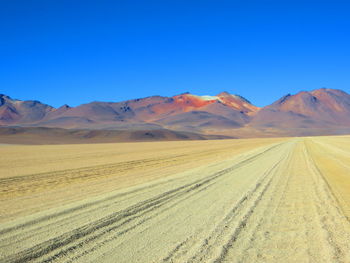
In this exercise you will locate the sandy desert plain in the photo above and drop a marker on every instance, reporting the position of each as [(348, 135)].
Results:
[(252, 200)]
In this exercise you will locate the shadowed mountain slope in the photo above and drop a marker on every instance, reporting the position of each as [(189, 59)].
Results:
[(42, 135)]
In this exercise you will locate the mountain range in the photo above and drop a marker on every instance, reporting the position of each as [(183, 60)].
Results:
[(318, 112)]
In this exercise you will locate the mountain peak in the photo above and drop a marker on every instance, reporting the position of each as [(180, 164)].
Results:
[(64, 106), (223, 94), (283, 99), (4, 99), (242, 98), (328, 91), (4, 96)]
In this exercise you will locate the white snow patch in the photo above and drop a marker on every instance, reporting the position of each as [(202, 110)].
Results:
[(207, 97)]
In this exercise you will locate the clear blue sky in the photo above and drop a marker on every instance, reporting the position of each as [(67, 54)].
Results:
[(74, 52)]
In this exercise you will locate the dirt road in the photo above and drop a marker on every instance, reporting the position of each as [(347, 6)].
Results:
[(269, 203)]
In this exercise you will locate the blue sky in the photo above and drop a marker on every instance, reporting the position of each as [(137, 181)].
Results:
[(75, 52)]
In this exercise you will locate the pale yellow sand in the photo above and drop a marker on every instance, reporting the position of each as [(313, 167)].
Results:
[(258, 200)]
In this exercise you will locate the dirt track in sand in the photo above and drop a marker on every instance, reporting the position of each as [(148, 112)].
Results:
[(261, 200)]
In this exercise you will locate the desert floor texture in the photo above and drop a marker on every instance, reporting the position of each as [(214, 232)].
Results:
[(254, 200)]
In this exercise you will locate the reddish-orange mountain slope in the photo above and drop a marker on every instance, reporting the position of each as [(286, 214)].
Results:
[(322, 111)]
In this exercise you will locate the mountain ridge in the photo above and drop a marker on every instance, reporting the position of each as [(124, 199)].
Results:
[(224, 113)]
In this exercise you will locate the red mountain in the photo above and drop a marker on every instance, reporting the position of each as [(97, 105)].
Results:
[(184, 112), (323, 111)]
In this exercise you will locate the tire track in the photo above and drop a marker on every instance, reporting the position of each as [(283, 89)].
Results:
[(226, 231), (333, 219), (26, 183), (268, 205), (65, 239), (338, 180), (291, 218)]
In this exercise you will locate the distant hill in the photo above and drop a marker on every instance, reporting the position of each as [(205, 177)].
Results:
[(318, 112), (42, 135), (326, 109), (22, 112)]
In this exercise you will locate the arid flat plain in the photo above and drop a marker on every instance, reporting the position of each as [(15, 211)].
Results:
[(253, 200)]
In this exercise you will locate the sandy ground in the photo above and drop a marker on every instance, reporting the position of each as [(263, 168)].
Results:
[(256, 200)]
